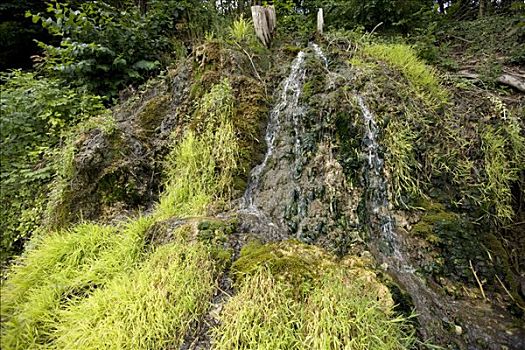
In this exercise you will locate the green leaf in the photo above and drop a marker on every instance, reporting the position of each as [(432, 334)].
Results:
[(147, 65)]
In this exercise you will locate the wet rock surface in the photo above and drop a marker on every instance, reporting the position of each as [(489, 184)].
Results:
[(308, 187)]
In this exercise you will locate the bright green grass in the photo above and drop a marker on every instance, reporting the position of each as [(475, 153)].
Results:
[(151, 308), (399, 139), (422, 78), (343, 307), (200, 169), (63, 268), (88, 288)]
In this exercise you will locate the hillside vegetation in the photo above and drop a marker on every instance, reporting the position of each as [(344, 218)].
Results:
[(168, 182)]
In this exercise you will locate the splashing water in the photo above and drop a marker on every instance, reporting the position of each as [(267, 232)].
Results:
[(320, 54), (286, 107)]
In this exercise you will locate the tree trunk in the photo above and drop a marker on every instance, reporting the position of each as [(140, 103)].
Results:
[(264, 22), (441, 4), (142, 5)]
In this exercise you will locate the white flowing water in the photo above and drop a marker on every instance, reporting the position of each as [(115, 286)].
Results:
[(381, 219), (320, 54), (286, 107)]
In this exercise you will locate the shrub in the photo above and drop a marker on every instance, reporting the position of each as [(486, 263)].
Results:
[(35, 113), (106, 49)]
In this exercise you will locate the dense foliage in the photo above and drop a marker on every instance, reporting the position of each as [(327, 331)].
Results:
[(146, 281), (106, 49), (37, 114)]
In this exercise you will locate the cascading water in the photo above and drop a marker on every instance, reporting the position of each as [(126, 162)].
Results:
[(433, 308), (287, 106), (299, 190), (320, 54), (377, 195)]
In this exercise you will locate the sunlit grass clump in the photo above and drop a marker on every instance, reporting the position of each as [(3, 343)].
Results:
[(151, 308), (297, 297), (63, 268), (422, 78), (200, 169)]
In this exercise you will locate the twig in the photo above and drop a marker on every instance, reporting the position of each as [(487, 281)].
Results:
[(510, 295), (255, 69), (514, 224), (377, 26), (462, 39), (477, 280)]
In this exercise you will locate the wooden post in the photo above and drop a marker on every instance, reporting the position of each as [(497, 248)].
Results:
[(271, 18), (264, 21), (320, 21)]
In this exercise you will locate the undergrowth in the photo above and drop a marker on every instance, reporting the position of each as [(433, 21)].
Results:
[(95, 286), (284, 304), (150, 308)]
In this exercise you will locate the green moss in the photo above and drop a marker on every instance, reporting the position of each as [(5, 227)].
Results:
[(339, 304), (216, 235), (436, 219), (152, 113), (292, 49), (295, 262)]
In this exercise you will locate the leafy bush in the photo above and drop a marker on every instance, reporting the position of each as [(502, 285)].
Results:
[(349, 14), (36, 114), (106, 48)]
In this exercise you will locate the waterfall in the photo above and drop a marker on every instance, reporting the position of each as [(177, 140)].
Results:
[(377, 192), (381, 220), (286, 107), (320, 54), (285, 197)]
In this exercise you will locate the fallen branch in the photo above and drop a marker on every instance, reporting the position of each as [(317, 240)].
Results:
[(511, 80), (477, 280)]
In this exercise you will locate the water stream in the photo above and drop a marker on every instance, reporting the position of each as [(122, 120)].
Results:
[(281, 178), (286, 107)]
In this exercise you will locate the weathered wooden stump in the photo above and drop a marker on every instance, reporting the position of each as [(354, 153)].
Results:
[(265, 22), (320, 21)]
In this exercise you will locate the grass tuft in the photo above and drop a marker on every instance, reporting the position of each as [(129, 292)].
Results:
[(61, 269), (344, 307), (151, 308), (399, 139), (422, 78), (201, 168)]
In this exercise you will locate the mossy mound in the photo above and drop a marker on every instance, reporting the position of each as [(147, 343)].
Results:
[(295, 296), (291, 261), (461, 254)]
